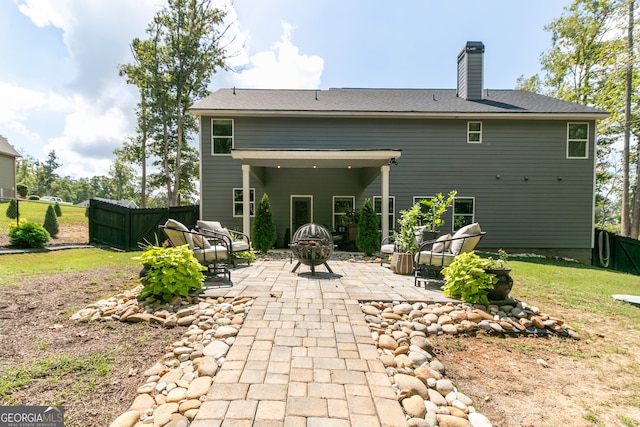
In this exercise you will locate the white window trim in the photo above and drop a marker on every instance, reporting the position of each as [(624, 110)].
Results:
[(453, 212), (333, 208), (586, 141), (233, 141), (469, 132), (234, 202), (392, 213)]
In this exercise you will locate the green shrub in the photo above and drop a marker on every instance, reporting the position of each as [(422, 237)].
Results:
[(28, 235), (51, 221), (169, 272), (263, 235), (56, 207), (368, 239), (22, 190), (12, 209), (465, 278), (34, 197)]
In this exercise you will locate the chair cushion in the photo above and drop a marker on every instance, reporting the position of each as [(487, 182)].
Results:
[(462, 245), (199, 240), (213, 226), (177, 233), (239, 246), (435, 259), (442, 243), (211, 254), (388, 249)]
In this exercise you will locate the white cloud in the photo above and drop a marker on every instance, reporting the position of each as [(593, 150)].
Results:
[(281, 68), (85, 114)]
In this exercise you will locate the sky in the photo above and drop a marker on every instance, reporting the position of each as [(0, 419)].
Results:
[(59, 59)]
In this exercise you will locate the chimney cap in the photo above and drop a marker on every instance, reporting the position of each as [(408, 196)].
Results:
[(472, 47)]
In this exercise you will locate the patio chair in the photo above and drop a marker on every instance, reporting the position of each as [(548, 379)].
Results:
[(387, 248), (211, 250), (239, 241), (434, 255)]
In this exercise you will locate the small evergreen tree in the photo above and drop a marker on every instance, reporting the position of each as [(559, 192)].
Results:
[(58, 210), (264, 231), (368, 239), (12, 209), (51, 221)]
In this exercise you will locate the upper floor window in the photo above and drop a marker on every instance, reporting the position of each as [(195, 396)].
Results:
[(577, 140), (238, 202), (221, 136), (474, 132)]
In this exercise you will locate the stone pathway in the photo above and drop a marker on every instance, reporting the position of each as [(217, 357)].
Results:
[(305, 355)]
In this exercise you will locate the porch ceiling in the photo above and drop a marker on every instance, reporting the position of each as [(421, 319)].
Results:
[(315, 158)]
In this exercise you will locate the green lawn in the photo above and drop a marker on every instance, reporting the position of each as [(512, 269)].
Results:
[(13, 268), (35, 210)]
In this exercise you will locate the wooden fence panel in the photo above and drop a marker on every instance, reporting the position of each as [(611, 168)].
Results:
[(616, 252), (126, 229)]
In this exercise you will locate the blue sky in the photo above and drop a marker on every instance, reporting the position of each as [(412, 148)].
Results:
[(60, 89)]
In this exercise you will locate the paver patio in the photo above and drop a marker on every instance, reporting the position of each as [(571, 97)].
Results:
[(304, 355)]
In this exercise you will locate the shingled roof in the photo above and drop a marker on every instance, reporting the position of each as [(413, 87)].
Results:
[(7, 149), (443, 103)]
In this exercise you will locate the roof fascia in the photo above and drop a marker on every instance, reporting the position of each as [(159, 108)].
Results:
[(406, 115)]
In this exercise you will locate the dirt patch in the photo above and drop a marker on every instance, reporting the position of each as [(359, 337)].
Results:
[(36, 334), (551, 381)]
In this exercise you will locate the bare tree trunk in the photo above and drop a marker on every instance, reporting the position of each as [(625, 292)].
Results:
[(625, 225), (630, 230), (143, 160)]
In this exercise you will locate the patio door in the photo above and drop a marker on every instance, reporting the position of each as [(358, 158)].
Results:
[(301, 211)]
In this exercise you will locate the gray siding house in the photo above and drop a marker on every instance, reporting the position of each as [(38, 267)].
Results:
[(522, 164), (8, 157)]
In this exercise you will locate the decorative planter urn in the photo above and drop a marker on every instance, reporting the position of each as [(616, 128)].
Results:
[(402, 263), (502, 288)]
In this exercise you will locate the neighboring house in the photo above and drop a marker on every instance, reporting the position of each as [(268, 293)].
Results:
[(8, 157), (124, 203), (522, 164)]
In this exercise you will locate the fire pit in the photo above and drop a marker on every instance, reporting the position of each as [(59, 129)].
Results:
[(312, 245)]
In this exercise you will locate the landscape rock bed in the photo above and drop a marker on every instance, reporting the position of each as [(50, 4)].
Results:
[(401, 330), (175, 387)]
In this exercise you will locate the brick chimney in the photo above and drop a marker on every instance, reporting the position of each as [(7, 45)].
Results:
[(470, 71)]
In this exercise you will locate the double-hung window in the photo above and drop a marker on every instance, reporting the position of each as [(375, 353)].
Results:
[(343, 207), (463, 212), (221, 136), (474, 132), (577, 140), (238, 200), (377, 207)]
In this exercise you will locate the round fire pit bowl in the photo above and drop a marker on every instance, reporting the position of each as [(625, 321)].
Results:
[(312, 245)]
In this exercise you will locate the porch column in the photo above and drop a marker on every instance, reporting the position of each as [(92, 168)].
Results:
[(246, 201), (384, 171)]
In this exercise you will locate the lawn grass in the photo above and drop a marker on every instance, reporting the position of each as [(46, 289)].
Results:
[(54, 368), (13, 268), (576, 286), (35, 211)]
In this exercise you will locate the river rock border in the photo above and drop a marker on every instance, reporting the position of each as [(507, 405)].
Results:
[(176, 386), (401, 330)]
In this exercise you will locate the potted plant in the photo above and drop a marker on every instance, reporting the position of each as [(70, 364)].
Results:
[(499, 269), (431, 211), (405, 240), (467, 278), (352, 217)]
